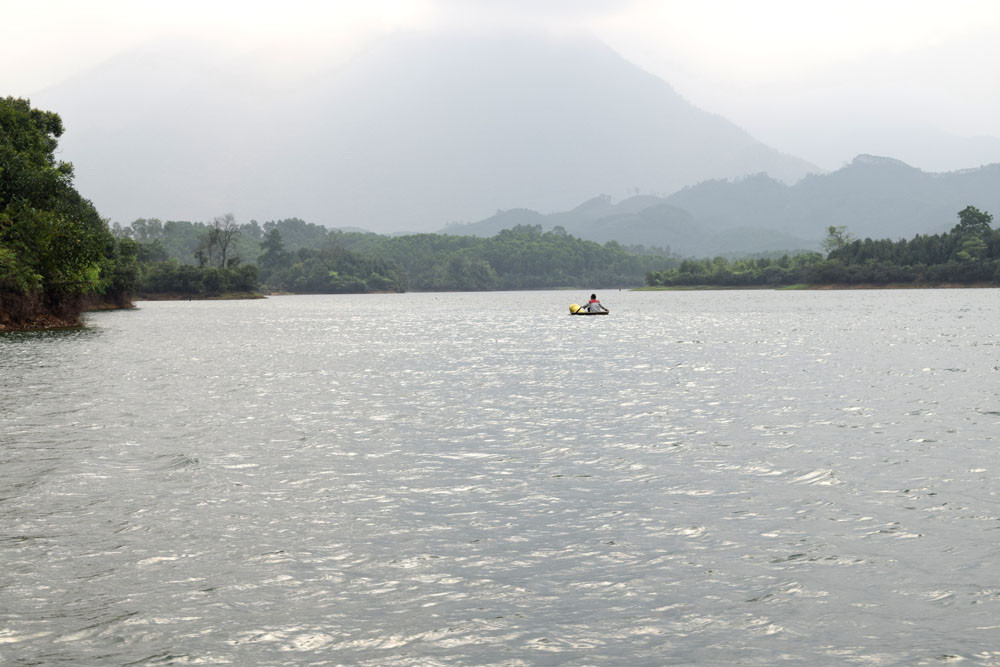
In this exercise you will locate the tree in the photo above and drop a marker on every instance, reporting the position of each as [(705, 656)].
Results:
[(222, 232), (56, 252), (273, 254), (973, 249), (836, 238), (205, 252), (53, 239), (972, 220), (272, 249)]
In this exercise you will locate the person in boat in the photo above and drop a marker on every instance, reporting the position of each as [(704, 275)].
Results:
[(594, 306)]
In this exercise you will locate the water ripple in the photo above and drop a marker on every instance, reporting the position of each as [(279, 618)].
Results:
[(701, 478)]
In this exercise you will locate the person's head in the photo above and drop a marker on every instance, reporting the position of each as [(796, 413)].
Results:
[(593, 296)]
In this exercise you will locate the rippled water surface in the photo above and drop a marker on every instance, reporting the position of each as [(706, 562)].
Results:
[(435, 479)]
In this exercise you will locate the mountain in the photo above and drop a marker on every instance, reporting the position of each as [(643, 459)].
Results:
[(872, 196), (875, 197), (643, 220), (414, 132)]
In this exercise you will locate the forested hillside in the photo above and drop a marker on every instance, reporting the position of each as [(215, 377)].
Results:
[(523, 257)]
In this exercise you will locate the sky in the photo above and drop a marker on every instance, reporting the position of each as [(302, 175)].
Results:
[(917, 79)]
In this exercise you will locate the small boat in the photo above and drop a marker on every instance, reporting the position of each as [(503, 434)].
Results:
[(575, 309)]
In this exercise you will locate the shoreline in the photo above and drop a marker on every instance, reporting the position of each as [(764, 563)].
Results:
[(176, 296), (816, 287), (32, 312), (51, 322), (41, 323)]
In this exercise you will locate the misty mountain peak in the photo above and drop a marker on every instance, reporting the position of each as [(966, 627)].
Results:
[(416, 130)]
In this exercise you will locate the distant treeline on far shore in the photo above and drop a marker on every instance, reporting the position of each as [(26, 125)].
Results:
[(968, 254), (296, 256)]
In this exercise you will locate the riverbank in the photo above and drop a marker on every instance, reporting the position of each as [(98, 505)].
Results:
[(32, 312), (38, 312), (39, 323)]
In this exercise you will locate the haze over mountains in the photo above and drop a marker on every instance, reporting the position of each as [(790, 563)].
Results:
[(424, 129), (416, 132)]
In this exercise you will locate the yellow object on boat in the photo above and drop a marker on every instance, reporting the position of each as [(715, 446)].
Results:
[(573, 308)]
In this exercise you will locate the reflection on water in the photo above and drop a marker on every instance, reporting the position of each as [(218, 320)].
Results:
[(709, 477)]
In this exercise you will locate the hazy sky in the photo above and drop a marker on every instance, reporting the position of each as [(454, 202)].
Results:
[(821, 80)]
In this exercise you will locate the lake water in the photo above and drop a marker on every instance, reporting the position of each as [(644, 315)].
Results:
[(751, 477)]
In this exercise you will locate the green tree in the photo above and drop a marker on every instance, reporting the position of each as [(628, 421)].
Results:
[(972, 220), (52, 241), (973, 249), (273, 254)]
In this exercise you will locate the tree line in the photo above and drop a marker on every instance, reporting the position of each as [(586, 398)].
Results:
[(969, 253), (292, 255), (196, 258), (523, 257)]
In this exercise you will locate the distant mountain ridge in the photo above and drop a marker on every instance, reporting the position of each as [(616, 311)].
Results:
[(874, 197), (416, 131)]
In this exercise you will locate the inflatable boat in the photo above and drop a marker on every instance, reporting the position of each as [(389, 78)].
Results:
[(575, 309)]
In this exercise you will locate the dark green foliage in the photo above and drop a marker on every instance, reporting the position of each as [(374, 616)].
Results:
[(51, 238), (172, 277), (969, 253), (194, 258), (322, 261), (334, 270), (53, 243), (120, 271), (524, 257), (784, 270), (973, 221)]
